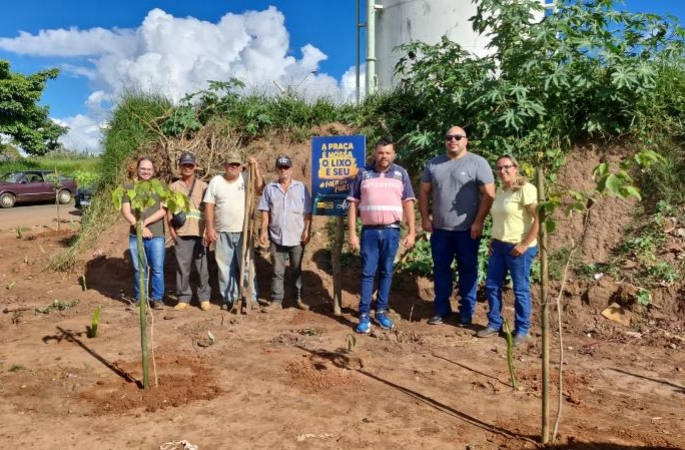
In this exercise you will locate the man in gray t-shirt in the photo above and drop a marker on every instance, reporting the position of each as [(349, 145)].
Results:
[(460, 186)]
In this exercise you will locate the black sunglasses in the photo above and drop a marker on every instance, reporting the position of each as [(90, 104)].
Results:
[(454, 137)]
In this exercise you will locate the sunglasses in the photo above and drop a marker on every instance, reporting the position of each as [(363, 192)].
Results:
[(188, 165), (454, 137), (504, 167), (282, 167)]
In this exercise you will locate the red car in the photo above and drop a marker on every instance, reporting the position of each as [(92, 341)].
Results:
[(34, 185)]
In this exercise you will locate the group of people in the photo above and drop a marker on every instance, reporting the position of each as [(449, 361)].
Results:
[(456, 194), (216, 215)]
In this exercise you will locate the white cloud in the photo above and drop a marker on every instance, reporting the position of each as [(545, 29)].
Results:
[(85, 134), (176, 56)]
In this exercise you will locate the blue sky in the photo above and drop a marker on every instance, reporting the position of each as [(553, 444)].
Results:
[(101, 46)]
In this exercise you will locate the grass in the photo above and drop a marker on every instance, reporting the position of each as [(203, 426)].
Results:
[(65, 165)]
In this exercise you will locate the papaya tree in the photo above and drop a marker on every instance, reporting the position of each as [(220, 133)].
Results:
[(144, 195)]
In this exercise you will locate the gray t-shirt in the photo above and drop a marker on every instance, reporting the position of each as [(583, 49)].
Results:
[(456, 189)]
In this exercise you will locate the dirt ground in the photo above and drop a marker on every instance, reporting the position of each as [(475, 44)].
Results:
[(289, 380)]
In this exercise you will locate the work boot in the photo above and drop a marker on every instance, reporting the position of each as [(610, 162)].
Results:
[(205, 305), (273, 307), (180, 306)]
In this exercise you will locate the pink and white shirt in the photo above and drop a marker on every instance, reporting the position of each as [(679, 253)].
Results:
[(381, 195)]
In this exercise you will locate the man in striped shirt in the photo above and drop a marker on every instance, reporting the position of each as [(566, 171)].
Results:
[(382, 194)]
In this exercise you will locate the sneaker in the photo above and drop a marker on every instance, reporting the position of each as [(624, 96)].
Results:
[(435, 320), (384, 320), (364, 324), (205, 305), (487, 332), (226, 306), (158, 305), (519, 338), (180, 306), (302, 305)]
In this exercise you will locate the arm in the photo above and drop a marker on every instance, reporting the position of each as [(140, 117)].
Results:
[(532, 234), (409, 216), (172, 230), (258, 180), (425, 189), (307, 232), (210, 231), (128, 213), (353, 240), (487, 195), (264, 235)]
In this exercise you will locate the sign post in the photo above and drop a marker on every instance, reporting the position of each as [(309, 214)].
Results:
[(335, 163)]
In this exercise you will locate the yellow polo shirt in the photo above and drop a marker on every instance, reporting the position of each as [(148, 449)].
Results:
[(511, 220)]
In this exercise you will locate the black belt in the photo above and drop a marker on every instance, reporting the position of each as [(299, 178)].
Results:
[(381, 227)]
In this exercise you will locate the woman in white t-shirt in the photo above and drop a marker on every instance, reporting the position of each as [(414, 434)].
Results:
[(513, 246)]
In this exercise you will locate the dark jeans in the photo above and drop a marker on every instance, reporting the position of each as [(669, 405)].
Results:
[(378, 248), (280, 254), (190, 251), (445, 247), (500, 262)]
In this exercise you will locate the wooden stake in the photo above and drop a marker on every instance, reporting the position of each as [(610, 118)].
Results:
[(335, 260), (544, 311)]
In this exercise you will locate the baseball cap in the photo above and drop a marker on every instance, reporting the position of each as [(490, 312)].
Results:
[(233, 158), (186, 158), (283, 160)]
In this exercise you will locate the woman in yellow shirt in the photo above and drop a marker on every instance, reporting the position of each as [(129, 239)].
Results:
[(512, 247)]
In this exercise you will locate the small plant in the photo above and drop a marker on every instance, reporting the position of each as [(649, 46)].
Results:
[(644, 297), (510, 354), (84, 285), (10, 285), (16, 367), (57, 305), (351, 342), (20, 234), (92, 330)]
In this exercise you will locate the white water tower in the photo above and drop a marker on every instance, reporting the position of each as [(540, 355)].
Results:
[(397, 22)]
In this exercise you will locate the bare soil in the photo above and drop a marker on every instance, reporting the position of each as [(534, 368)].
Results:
[(289, 380)]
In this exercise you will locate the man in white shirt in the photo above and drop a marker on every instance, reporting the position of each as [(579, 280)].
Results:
[(224, 216)]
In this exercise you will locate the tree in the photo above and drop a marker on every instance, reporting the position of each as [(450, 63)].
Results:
[(142, 196), (21, 117)]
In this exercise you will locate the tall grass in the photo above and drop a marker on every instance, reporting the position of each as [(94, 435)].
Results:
[(65, 166)]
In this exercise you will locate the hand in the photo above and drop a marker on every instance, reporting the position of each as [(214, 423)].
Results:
[(211, 236), (173, 233), (306, 236), (353, 242), (476, 230), (408, 241), (264, 239), (252, 161), (146, 232), (427, 225), (519, 249)]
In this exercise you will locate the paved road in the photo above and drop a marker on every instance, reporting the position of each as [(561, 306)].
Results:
[(28, 216)]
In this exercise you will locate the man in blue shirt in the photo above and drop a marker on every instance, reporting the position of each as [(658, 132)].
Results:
[(286, 207)]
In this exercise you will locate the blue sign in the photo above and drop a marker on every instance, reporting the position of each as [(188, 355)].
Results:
[(335, 163)]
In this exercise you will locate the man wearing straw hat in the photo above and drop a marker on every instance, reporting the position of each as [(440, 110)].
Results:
[(224, 217), (286, 208)]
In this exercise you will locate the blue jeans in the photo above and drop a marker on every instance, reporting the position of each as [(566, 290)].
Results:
[(378, 248), (228, 251), (153, 254), (519, 268), (445, 247)]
